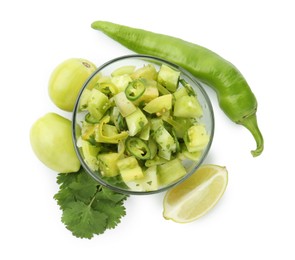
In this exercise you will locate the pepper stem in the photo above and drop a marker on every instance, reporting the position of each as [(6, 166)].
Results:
[(250, 123)]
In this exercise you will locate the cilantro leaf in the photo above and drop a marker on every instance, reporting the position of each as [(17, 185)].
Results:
[(114, 211), (84, 188), (64, 197), (83, 221), (65, 179), (111, 195), (115, 181), (87, 207)]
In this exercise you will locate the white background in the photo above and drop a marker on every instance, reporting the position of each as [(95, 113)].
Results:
[(255, 218)]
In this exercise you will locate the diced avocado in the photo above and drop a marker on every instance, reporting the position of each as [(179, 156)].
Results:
[(196, 138)]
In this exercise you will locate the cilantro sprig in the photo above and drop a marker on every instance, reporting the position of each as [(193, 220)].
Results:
[(88, 208)]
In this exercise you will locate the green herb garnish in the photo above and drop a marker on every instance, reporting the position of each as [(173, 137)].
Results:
[(88, 208)]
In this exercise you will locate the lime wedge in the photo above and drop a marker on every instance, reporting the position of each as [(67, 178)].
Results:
[(198, 194)]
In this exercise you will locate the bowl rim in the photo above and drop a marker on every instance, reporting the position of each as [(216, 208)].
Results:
[(148, 58)]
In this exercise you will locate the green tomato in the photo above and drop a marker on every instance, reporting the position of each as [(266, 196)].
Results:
[(67, 80), (51, 140)]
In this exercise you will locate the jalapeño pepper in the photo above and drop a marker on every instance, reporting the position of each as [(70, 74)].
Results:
[(135, 89), (138, 148)]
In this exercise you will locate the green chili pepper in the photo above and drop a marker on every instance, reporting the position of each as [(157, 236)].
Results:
[(188, 87), (90, 119), (138, 148), (107, 133), (135, 89), (234, 94)]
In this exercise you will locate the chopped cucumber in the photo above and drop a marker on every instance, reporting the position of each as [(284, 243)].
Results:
[(108, 164), (168, 77), (180, 93), (187, 106), (90, 153), (159, 104), (123, 71), (170, 171), (109, 89), (162, 89), (150, 180), (129, 169), (156, 161), (147, 72), (125, 106), (84, 99), (185, 154), (145, 132), (141, 126), (136, 122), (153, 147), (164, 139), (150, 93), (196, 138), (148, 183), (98, 104), (121, 82)]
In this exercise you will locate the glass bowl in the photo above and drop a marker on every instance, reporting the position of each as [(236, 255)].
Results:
[(90, 131)]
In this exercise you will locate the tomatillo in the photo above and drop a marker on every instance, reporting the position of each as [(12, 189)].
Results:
[(66, 81), (51, 140)]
